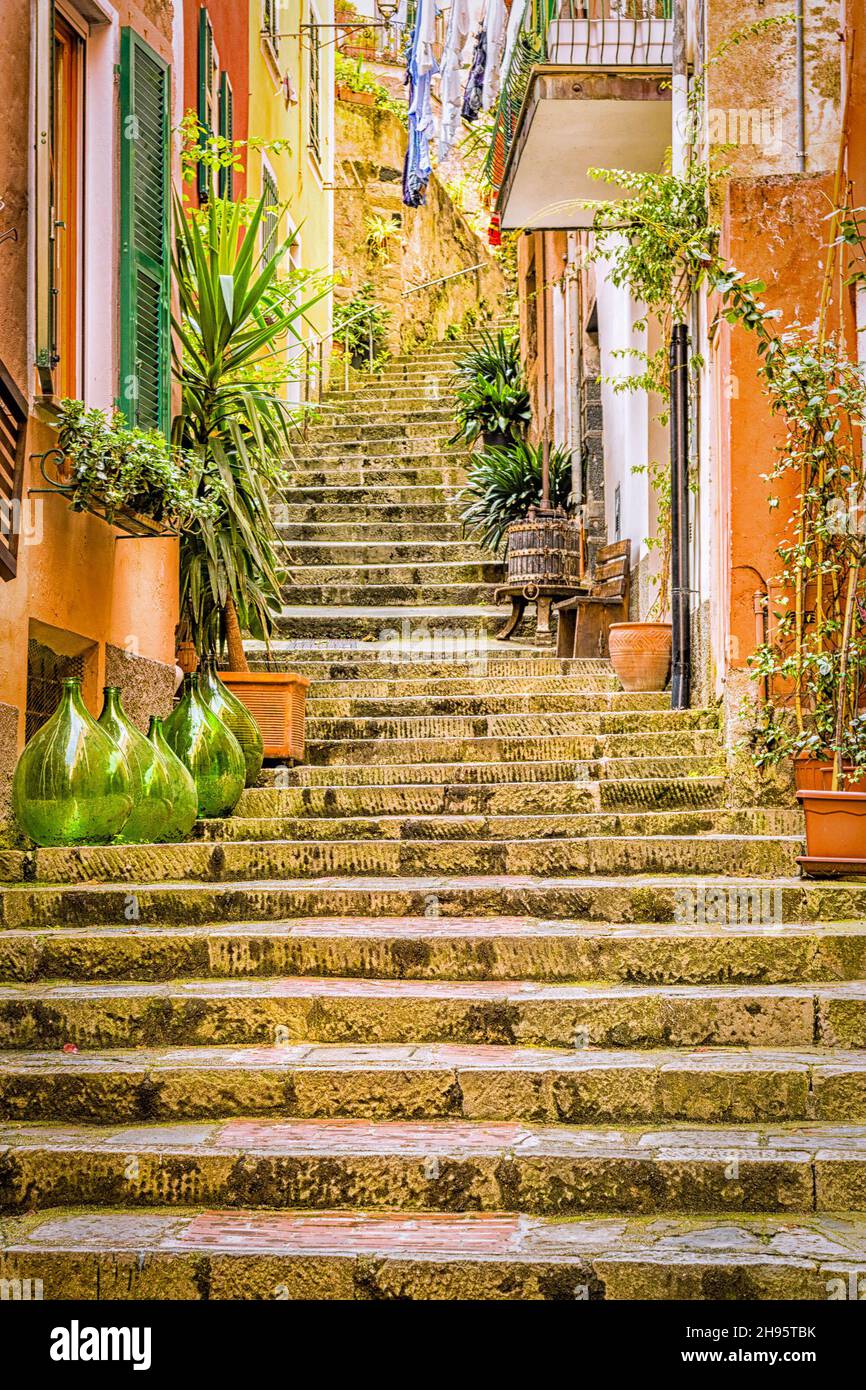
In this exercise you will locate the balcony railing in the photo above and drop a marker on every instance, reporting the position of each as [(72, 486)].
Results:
[(610, 34)]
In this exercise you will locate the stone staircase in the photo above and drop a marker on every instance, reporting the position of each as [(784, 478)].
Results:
[(496, 996)]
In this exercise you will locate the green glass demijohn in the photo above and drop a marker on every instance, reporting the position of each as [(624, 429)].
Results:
[(225, 704), (72, 785), (151, 783), (184, 800), (209, 749)]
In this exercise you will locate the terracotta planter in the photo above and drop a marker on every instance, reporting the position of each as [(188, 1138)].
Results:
[(835, 829), (640, 653), (344, 93), (187, 657), (816, 775), (277, 701)]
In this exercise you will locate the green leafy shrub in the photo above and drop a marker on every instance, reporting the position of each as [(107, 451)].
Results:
[(490, 391), (356, 320), (504, 482)]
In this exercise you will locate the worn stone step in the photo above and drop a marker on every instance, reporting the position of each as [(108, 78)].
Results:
[(391, 699), (437, 1166), (362, 532), (614, 731), (515, 948), (345, 1256), (766, 821), (378, 453), (555, 768), (378, 474), (382, 595), (423, 574), (181, 1013), (444, 627), (433, 1081), (565, 797), (346, 554), (636, 898), (246, 861), (416, 513), (508, 747), (405, 496), (433, 427), (492, 663), (366, 412)]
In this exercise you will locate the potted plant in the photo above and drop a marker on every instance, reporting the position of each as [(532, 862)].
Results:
[(234, 315), (504, 482), (492, 399)]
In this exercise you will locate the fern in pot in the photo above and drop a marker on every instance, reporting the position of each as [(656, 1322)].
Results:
[(491, 395)]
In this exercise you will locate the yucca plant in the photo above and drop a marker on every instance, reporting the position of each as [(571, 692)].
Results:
[(234, 320), (491, 394), (504, 482)]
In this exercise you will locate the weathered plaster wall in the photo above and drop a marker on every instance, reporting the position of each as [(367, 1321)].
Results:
[(434, 240)]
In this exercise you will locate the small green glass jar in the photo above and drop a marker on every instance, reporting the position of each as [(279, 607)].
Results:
[(209, 750), (184, 801), (72, 784), (151, 784), (233, 712)]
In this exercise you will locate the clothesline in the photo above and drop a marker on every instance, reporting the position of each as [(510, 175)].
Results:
[(495, 24)]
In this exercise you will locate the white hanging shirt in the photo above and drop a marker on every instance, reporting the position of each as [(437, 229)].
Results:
[(495, 29), (450, 82)]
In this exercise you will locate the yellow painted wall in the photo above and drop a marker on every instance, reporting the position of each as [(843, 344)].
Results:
[(303, 182)]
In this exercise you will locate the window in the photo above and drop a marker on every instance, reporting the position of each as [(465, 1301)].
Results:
[(270, 214), (314, 128), (145, 342)]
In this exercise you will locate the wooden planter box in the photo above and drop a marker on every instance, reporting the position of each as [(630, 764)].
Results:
[(277, 701)]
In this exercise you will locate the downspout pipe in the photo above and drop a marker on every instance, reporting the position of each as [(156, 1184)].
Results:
[(681, 654), (800, 46)]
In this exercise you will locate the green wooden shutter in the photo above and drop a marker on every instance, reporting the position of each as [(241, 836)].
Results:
[(227, 131), (145, 335), (205, 90)]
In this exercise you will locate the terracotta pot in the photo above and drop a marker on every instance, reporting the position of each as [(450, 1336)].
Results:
[(816, 774), (187, 657), (277, 701), (640, 653), (835, 824), (345, 93)]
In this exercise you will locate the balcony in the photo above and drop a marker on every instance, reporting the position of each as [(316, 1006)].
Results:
[(587, 85)]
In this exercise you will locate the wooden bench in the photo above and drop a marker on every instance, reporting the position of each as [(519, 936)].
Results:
[(584, 619)]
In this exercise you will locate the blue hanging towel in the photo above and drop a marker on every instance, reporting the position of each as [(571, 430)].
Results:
[(475, 81), (420, 71)]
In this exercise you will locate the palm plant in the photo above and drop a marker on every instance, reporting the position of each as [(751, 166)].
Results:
[(234, 319), (504, 482), (492, 399)]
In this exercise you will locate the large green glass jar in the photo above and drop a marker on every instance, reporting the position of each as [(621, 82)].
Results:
[(209, 750), (151, 784), (184, 800), (72, 784), (226, 706)]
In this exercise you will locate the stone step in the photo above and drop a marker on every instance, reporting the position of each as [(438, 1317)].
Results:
[(405, 496), (436, 413), (450, 948), (429, 426), (443, 1166), (378, 453), (380, 474), (766, 821), (492, 663), (480, 696), (437, 1081), (247, 861), (363, 532), (509, 746), (637, 898), (415, 513), (409, 626), (182, 1013), (382, 595), (422, 574), (604, 725), (520, 770), (346, 1256), (342, 553), (484, 799)]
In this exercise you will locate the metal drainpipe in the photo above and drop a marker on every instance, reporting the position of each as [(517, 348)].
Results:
[(681, 656), (801, 87)]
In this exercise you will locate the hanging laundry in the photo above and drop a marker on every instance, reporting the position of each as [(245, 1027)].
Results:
[(459, 23), (475, 81), (419, 72), (515, 23), (494, 27)]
